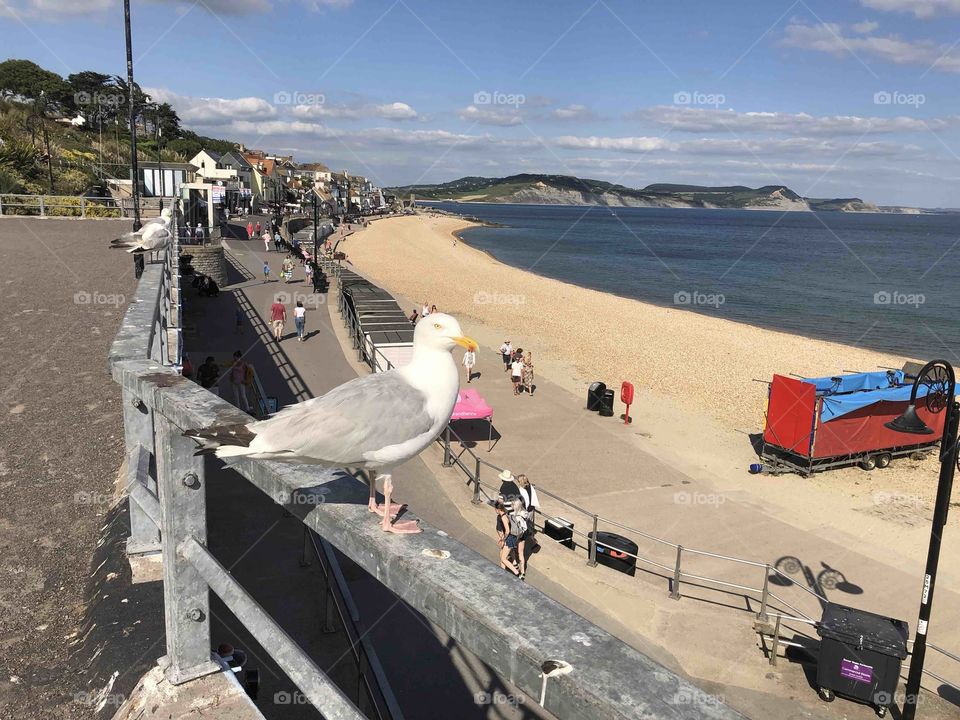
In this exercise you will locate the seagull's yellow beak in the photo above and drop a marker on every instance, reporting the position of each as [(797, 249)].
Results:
[(468, 343)]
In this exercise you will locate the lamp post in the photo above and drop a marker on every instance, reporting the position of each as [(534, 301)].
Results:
[(131, 105), (940, 381)]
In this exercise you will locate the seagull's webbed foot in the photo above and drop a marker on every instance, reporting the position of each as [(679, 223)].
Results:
[(372, 504), (399, 527)]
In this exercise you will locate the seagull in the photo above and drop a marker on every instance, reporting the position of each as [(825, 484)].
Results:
[(373, 422), (153, 236)]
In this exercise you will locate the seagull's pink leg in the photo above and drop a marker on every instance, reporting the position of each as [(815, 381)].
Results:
[(401, 527), (372, 505)]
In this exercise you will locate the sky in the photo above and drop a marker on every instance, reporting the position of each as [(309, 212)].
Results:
[(833, 98)]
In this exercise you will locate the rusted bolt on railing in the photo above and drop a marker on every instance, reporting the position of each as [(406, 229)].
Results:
[(191, 481)]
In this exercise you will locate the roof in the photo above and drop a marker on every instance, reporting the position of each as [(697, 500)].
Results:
[(238, 158)]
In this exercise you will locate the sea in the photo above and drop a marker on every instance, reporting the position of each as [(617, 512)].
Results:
[(882, 281)]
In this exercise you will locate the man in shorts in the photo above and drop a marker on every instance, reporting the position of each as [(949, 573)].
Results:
[(278, 316)]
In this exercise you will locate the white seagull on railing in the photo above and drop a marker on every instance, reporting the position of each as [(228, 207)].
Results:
[(373, 422), (153, 236)]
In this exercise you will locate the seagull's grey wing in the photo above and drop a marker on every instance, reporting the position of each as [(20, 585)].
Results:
[(349, 422)]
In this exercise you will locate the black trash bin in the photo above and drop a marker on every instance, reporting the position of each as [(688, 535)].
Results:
[(606, 403), (612, 551), (595, 395), (560, 530), (860, 655)]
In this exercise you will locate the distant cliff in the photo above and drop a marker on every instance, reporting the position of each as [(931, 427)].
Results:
[(568, 190)]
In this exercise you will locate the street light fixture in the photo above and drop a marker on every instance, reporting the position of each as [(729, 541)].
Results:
[(939, 379)]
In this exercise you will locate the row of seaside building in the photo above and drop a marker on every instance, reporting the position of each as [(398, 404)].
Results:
[(256, 181)]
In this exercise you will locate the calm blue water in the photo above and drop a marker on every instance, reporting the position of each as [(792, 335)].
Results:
[(886, 282)]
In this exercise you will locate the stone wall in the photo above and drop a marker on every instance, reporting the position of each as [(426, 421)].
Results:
[(208, 260)]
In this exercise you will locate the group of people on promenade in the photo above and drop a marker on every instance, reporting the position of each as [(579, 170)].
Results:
[(519, 366), (516, 508), (239, 372), (425, 309)]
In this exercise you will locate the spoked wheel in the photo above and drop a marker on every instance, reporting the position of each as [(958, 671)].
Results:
[(936, 383), (883, 460), (826, 695), (867, 462)]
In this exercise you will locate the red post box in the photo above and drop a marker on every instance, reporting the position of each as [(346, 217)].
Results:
[(626, 397)]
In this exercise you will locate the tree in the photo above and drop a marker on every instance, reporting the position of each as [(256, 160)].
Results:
[(90, 90), (27, 79), (169, 121)]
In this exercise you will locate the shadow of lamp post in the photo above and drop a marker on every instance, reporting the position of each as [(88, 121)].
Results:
[(939, 380)]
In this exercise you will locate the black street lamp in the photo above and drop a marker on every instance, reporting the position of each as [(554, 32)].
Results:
[(316, 222), (134, 170), (938, 377)]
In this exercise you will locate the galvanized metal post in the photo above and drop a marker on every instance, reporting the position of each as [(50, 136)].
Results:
[(592, 561), (765, 597), (476, 485), (776, 643), (186, 600), (446, 447), (138, 432), (675, 592)]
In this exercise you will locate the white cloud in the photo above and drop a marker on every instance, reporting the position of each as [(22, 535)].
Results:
[(213, 111), (690, 119), (830, 38), (920, 8), (397, 111), (865, 27), (490, 116), (573, 112), (623, 144)]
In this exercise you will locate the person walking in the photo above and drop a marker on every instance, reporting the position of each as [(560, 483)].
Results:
[(250, 231), (199, 234), (278, 316), (528, 495), (506, 352), (526, 374), (425, 310), (277, 239), (519, 528), (469, 360), (266, 271), (208, 375), (257, 227), (505, 541), (300, 320), (516, 373), (287, 269), (266, 242), (414, 316), (238, 379), (308, 272)]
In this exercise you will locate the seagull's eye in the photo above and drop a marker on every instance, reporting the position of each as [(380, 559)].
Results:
[(437, 325)]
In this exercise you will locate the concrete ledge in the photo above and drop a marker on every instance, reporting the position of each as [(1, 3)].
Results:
[(217, 695)]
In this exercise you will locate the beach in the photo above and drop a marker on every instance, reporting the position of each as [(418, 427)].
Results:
[(697, 402)]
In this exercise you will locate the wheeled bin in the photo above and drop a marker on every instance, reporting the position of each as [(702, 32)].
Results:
[(606, 403), (595, 395), (612, 551), (560, 530), (860, 655)]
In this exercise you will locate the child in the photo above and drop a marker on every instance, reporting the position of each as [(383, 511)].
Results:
[(266, 271)]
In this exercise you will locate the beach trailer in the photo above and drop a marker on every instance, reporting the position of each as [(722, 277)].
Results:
[(815, 424)]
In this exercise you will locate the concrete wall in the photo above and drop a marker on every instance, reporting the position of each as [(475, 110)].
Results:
[(208, 260)]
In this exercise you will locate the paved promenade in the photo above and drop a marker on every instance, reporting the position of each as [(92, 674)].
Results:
[(599, 464)]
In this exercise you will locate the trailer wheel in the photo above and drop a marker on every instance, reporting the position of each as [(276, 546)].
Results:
[(867, 462), (883, 460)]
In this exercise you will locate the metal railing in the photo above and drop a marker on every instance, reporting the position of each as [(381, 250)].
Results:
[(373, 691), (764, 595), (13, 204), (434, 574)]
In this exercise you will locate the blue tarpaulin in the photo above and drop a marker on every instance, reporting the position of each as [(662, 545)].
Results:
[(845, 394), (856, 382)]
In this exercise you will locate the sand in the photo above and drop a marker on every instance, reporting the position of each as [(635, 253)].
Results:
[(692, 372)]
